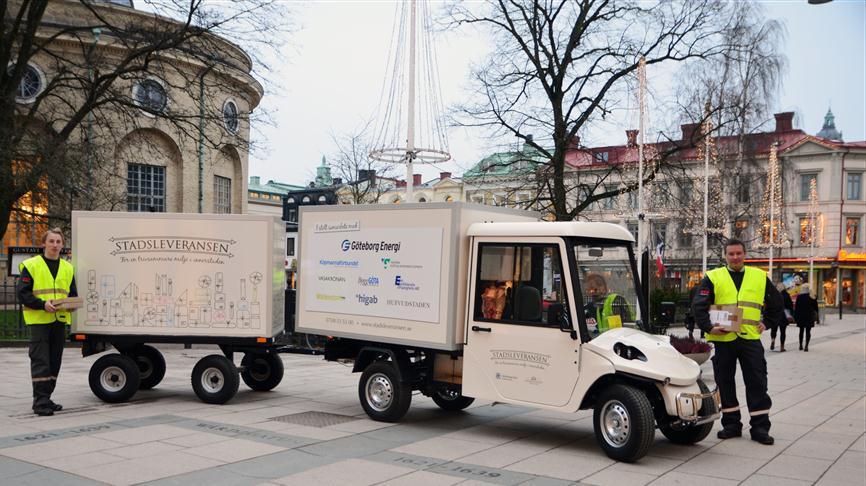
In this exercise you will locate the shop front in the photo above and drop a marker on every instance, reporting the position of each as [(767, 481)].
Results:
[(842, 278)]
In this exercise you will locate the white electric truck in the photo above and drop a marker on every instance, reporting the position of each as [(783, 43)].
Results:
[(464, 302)]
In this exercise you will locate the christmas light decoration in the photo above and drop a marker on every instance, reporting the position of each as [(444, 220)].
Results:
[(813, 225), (772, 223)]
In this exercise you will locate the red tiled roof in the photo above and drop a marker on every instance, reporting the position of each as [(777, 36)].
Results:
[(758, 143)]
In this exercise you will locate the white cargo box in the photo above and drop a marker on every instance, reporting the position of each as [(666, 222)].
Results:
[(163, 274), (392, 274)]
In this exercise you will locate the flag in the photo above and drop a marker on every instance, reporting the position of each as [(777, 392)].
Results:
[(660, 254)]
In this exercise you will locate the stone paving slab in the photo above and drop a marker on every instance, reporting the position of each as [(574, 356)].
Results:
[(166, 436)]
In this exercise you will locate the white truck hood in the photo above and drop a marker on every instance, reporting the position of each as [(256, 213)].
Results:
[(663, 361)]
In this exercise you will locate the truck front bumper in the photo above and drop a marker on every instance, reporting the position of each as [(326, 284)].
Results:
[(690, 411)]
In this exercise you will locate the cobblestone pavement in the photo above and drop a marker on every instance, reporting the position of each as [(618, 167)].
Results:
[(167, 436)]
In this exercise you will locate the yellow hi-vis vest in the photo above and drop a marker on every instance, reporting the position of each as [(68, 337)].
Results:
[(47, 288), (750, 299)]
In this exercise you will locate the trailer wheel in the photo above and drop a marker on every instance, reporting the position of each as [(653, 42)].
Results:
[(151, 365), (215, 379), (262, 371), (451, 400), (623, 423), (690, 434), (114, 378), (382, 395)]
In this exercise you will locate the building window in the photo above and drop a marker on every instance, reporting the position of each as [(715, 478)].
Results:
[(222, 195), (290, 246), (145, 188), (292, 216), (741, 229), (684, 237), (601, 157), (28, 220), (854, 186), (230, 116), (632, 199), (852, 231), (744, 193), (607, 203), (806, 231), (632, 228), (32, 83), (687, 189), (805, 180), (150, 95)]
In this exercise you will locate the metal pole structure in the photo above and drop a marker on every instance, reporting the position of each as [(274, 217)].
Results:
[(641, 228), (772, 207), (410, 137), (706, 200)]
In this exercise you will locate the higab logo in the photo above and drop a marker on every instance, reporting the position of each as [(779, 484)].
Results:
[(386, 262), (367, 299), (371, 281), (345, 245)]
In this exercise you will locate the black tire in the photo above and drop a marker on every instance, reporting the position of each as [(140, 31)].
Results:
[(383, 396), (114, 378), (215, 379), (151, 365), (451, 400), (690, 434), (262, 371), (623, 422)]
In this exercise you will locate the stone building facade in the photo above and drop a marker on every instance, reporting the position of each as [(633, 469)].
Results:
[(193, 159)]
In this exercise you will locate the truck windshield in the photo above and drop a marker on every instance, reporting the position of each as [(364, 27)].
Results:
[(607, 285)]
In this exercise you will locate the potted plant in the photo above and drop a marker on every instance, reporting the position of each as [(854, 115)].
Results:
[(695, 349)]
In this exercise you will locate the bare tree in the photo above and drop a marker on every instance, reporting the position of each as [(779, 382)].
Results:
[(60, 140), (561, 65), (364, 178)]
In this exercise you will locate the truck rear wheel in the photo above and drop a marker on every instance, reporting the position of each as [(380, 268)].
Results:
[(151, 365), (623, 422), (215, 379), (451, 400), (114, 378), (262, 371), (687, 435), (382, 395)]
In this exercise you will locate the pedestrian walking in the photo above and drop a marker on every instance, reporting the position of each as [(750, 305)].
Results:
[(782, 326), (43, 279), (690, 316), (805, 315), (750, 289)]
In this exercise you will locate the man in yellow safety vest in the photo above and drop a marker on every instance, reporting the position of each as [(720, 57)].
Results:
[(752, 291), (43, 279)]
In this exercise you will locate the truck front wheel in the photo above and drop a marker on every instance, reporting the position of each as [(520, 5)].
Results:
[(451, 400), (623, 422), (690, 434), (382, 395)]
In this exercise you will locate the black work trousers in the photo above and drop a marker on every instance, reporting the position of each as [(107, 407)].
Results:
[(46, 355), (750, 354)]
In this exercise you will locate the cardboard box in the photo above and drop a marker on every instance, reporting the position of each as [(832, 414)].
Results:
[(69, 303), (728, 316)]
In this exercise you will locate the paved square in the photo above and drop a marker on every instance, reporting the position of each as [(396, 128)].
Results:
[(167, 436)]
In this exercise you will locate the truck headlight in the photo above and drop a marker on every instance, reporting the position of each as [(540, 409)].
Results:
[(628, 352)]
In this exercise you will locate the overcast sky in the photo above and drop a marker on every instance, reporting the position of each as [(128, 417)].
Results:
[(335, 69)]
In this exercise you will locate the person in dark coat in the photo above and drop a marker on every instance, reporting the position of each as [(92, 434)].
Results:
[(805, 315), (782, 325)]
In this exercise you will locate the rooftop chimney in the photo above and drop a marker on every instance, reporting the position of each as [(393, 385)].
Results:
[(631, 138), (444, 175), (416, 179), (254, 180), (689, 130), (574, 143), (784, 121)]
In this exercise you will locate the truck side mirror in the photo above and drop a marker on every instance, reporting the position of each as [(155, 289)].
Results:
[(558, 316)]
